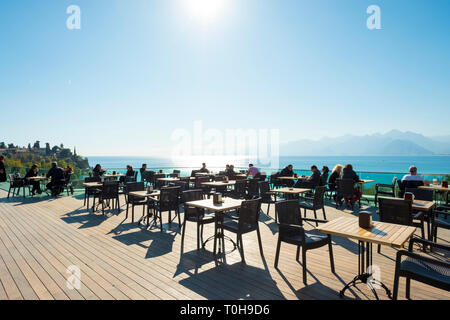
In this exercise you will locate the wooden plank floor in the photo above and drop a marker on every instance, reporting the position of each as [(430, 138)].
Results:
[(41, 238)]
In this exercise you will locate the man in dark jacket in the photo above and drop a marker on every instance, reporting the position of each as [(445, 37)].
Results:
[(287, 172), (57, 175), (2, 169), (312, 181), (36, 184)]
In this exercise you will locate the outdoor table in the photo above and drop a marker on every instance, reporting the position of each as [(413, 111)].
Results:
[(387, 234), (218, 209), (426, 206), (219, 183), (168, 179), (42, 180), (93, 184), (144, 194), (291, 192), (437, 188)]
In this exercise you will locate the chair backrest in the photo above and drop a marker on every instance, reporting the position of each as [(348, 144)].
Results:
[(319, 194), (412, 183), (264, 188), (323, 179), (253, 187), (169, 196), (133, 186), (93, 179), (110, 190), (396, 211), (192, 195), (177, 172), (173, 175), (156, 183), (182, 184), (239, 186), (288, 212), (345, 187), (199, 180), (194, 172), (421, 194), (262, 177), (219, 178), (249, 214)]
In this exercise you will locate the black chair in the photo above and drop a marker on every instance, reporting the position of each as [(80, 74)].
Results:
[(426, 195), (385, 189), (16, 183), (323, 179), (197, 215), (157, 184), (135, 201), (266, 196), (147, 177), (410, 184), (178, 172), (316, 204), (91, 191), (252, 189), (440, 220), (239, 191), (422, 268), (344, 188), (168, 201), (274, 181), (68, 184), (109, 193), (291, 231), (398, 211), (247, 221)]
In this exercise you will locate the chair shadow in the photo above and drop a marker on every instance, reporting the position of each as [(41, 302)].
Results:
[(161, 242), (85, 218), (224, 277)]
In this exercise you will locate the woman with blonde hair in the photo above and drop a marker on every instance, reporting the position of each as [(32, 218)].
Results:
[(335, 174)]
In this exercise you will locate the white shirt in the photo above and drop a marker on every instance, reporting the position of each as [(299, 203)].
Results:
[(410, 177)]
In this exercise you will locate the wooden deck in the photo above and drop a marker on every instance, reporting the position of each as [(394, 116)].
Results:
[(41, 238)]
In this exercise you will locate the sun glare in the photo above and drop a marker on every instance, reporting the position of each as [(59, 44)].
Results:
[(205, 10)]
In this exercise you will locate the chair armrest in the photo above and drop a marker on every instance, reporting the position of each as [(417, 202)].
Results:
[(153, 199), (315, 220), (382, 185), (423, 258), (427, 242)]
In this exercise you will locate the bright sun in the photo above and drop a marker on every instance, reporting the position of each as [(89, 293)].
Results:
[(205, 10)]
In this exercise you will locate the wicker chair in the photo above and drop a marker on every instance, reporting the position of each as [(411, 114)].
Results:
[(16, 182), (422, 268), (316, 204), (385, 189), (135, 201), (197, 215), (266, 196), (109, 192), (344, 188), (291, 231)]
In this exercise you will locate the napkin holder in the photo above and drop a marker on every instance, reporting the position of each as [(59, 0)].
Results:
[(365, 220), (217, 198), (409, 196)]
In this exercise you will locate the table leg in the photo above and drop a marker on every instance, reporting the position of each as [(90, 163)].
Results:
[(365, 259)]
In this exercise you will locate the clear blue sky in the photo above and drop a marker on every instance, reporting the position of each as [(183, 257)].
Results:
[(139, 69)]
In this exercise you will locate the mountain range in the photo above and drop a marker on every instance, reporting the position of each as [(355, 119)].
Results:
[(391, 143)]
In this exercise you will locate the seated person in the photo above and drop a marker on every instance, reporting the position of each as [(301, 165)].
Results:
[(142, 170), (348, 173), (203, 169), (57, 179), (412, 176), (335, 174), (312, 181), (33, 172), (411, 180), (287, 172), (252, 170), (98, 171), (130, 171), (324, 176), (68, 170), (230, 171)]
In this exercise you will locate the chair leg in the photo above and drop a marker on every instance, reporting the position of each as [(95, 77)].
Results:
[(277, 254), (126, 215), (179, 218), (260, 242), (330, 250), (183, 231), (198, 236), (379, 248), (242, 248), (315, 217), (408, 288), (395, 291), (297, 256), (268, 209), (324, 215), (8, 192), (304, 265), (132, 212)]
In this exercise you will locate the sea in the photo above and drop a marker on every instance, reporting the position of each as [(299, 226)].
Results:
[(437, 165)]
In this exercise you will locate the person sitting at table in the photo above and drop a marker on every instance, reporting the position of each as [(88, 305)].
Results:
[(2, 169), (230, 172), (98, 171), (203, 169), (68, 170), (412, 176), (33, 172), (57, 179), (312, 181), (335, 174), (130, 171), (252, 170), (142, 169), (288, 171), (324, 176), (349, 173)]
